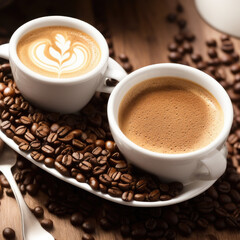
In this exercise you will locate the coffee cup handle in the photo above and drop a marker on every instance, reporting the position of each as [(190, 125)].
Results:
[(4, 51), (215, 164), (115, 71)]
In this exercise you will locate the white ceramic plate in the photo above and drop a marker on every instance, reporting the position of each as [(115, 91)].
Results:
[(191, 190)]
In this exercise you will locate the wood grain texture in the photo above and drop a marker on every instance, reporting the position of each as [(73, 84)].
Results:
[(139, 29)]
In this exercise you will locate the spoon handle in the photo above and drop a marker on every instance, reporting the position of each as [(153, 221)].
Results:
[(31, 228)]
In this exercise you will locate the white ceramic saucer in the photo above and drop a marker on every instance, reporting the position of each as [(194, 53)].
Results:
[(191, 190)]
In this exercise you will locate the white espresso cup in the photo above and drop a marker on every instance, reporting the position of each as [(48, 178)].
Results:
[(207, 163), (64, 95)]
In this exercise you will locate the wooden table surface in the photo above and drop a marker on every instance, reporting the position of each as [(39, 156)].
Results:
[(139, 29)]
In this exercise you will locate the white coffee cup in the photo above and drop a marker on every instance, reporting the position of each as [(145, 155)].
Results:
[(65, 95), (207, 163)]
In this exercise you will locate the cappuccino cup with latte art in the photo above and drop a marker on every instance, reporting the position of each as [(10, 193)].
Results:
[(58, 63)]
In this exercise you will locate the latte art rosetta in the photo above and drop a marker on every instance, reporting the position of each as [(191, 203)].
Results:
[(59, 54)]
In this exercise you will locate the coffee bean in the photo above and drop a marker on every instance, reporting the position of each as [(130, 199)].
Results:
[(88, 226), (93, 183), (47, 224), (29, 136), (141, 185), (211, 43), (173, 47), (36, 144), (79, 144), (87, 236), (39, 157), (24, 146), (227, 48), (42, 131), (126, 178), (4, 182), (127, 67), (8, 233), (80, 177), (76, 219), (38, 212), (174, 56), (127, 196), (20, 130), (201, 65), (85, 166), (224, 37), (8, 91), (67, 160), (25, 120), (115, 192), (47, 150), (212, 53), (154, 195), (227, 59), (187, 47), (235, 68), (179, 8), (60, 168), (232, 138), (5, 124), (105, 179), (189, 36), (96, 151), (123, 57), (181, 23)]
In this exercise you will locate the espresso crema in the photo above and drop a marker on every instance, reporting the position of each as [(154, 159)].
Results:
[(170, 115), (59, 52)]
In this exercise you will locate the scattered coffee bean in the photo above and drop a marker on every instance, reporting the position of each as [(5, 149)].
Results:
[(211, 43), (88, 226), (8, 233), (87, 236), (76, 219), (47, 224), (38, 212)]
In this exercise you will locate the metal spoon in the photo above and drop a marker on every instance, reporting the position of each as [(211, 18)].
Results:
[(31, 228)]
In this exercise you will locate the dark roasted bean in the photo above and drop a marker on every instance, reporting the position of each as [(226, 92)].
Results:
[(174, 56), (127, 196), (115, 192), (93, 183), (88, 226), (76, 219), (85, 166), (49, 162), (38, 211), (67, 160), (8, 233), (60, 168), (105, 179), (29, 136), (47, 224), (24, 146), (47, 150), (211, 43)]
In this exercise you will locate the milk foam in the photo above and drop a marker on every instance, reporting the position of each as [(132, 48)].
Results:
[(59, 54)]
